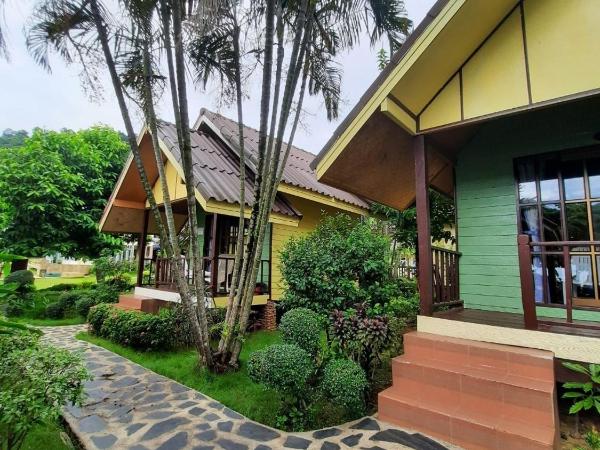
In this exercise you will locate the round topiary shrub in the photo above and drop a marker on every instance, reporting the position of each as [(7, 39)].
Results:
[(23, 279), (283, 367), (97, 315), (55, 311), (344, 382), (84, 303), (301, 326)]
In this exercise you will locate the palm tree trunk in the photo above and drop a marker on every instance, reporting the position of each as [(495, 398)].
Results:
[(190, 184), (176, 259)]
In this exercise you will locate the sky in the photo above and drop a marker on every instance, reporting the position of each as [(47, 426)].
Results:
[(31, 97)]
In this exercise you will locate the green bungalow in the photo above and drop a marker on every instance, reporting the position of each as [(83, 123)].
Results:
[(496, 104)]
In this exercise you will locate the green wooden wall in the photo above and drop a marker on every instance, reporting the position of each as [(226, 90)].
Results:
[(486, 200)]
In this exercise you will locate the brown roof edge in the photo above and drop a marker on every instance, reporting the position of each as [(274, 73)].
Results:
[(394, 61)]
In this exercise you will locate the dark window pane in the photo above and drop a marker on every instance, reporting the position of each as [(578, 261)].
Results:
[(596, 220), (581, 272), (556, 278), (572, 172), (549, 180), (530, 223), (593, 168), (551, 222), (526, 178), (538, 278), (577, 222)]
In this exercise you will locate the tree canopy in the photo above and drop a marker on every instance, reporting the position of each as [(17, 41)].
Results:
[(12, 138), (54, 189)]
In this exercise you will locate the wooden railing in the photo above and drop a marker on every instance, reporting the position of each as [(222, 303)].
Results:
[(161, 274), (445, 277), (529, 250)]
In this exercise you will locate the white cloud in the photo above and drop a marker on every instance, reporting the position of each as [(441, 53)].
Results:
[(30, 97)]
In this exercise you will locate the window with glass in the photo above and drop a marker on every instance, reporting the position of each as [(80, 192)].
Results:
[(559, 200)]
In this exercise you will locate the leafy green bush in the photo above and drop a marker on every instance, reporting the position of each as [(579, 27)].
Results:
[(63, 287), (345, 382), (301, 326), (406, 309), (23, 278), (585, 395), (35, 382), (96, 317), (342, 262), (283, 367), (107, 267), (133, 328), (84, 303), (55, 311)]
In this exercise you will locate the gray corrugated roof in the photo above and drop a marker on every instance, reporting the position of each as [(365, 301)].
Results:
[(215, 169), (297, 171)]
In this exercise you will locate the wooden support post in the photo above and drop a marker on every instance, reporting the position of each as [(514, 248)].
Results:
[(214, 269), (527, 287), (568, 283), (425, 263), (142, 249)]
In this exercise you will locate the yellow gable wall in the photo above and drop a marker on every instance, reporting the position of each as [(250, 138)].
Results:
[(311, 215), (543, 51), (174, 182), (563, 43)]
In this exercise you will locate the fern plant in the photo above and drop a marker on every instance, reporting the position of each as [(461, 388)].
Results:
[(586, 394)]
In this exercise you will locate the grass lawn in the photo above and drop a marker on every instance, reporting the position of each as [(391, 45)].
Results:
[(49, 322), (234, 389), (48, 437), (44, 283)]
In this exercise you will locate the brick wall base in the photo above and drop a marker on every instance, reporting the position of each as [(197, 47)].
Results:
[(268, 316)]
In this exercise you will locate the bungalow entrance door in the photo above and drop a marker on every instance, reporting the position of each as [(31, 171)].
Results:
[(559, 202)]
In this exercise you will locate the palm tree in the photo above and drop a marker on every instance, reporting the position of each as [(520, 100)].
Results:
[(315, 32)]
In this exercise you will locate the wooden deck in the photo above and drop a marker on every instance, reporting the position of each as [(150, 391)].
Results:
[(511, 320)]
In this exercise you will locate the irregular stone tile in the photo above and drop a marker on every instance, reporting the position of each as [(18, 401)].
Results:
[(225, 426), (330, 446), (262, 447), (203, 447), (199, 396), (215, 405), (92, 424), (197, 411), (176, 388), (177, 442), (211, 417), (125, 381), (202, 426), (187, 404), (232, 414), (133, 428), (230, 445), (206, 435), (327, 432), (138, 447), (159, 414), (395, 436), (428, 443), (257, 432), (352, 440), (296, 442), (366, 424), (75, 411), (104, 441), (163, 427)]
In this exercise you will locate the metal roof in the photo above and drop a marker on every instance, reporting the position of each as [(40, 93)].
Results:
[(297, 171), (216, 171)]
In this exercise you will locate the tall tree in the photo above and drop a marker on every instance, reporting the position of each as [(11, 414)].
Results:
[(307, 36), (54, 191)]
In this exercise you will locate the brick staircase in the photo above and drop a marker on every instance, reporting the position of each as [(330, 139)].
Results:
[(473, 394), (133, 302)]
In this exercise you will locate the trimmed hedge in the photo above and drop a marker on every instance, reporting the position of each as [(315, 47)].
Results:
[(283, 367), (301, 326), (344, 382), (167, 330)]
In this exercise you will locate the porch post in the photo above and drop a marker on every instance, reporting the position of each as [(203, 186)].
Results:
[(527, 287), (142, 249), (214, 269), (425, 263)]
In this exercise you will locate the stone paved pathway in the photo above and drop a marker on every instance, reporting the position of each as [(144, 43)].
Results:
[(130, 407)]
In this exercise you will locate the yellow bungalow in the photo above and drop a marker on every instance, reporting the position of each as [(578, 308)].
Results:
[(300, 202), (495, 103)]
